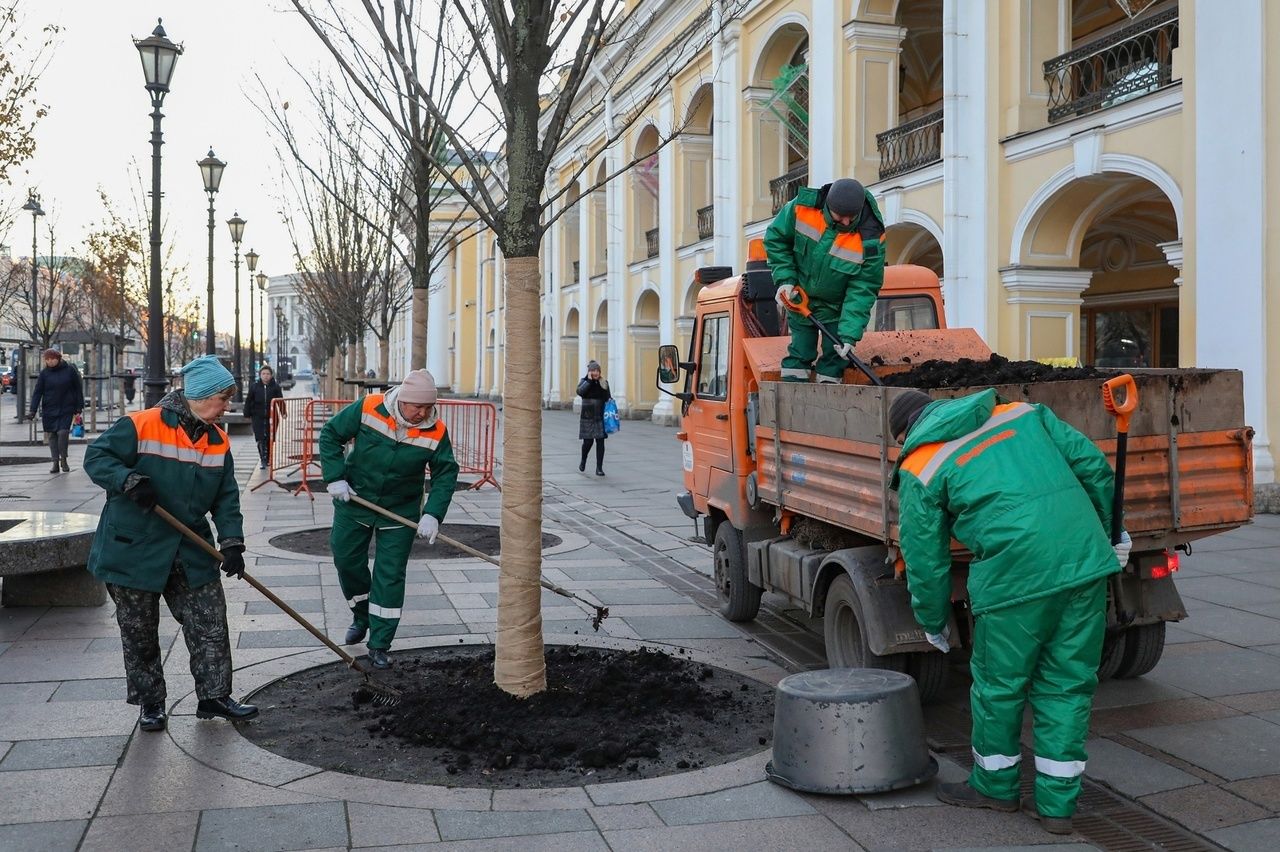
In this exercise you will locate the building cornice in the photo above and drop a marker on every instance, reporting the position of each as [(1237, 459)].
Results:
[(1157, 105)]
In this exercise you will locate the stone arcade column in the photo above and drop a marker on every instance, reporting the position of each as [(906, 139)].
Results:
[(438, 323), (667, 285), (616, 282), (1044, 309), (870, 93), (726, 141)]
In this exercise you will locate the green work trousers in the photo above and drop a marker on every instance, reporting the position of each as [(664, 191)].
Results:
[(375, 598), (803, 348), (1046, 651)]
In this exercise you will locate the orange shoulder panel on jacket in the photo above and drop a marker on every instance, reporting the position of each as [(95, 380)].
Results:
[(920, 457)]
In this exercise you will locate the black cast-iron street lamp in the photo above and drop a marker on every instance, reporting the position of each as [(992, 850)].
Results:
[(159, 56), (262, 332), (236, 224), (211, 169), (280, 330), (251, 261), (33, 207)]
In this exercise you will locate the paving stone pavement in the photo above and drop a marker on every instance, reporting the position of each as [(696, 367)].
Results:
[(1196, 742)]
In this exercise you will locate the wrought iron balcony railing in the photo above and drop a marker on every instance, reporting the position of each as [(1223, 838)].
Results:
[(784, 188), (706, 221), (651, 242), (910, 146), (576, 264), (1124, 65)]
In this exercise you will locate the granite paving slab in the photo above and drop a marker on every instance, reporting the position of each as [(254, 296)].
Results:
[(1233, 748), (337, 785), (595, 573), (1234, 626), (1264, 834), (473, 825), (928, 828), (1124, 693), (1227, 591), (64, 753), (763, 800), (299, 638), (221, 747), (683, 627), (280, 827), (921, 795), (42, 666), (51, 795), (617, 597), (1204, 808), (305, 605), (792, 833), (576, 841), (378, 825), (609, 817), (1264, 791), (1132, 772), (1211, 674), (95, 689), (141, 832), (63, 836), (67, 719), (27, 693)]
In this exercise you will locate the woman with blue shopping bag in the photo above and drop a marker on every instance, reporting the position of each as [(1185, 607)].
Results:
[(592, 425)]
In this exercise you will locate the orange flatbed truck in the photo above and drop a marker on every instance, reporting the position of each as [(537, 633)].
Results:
[(790, 481)]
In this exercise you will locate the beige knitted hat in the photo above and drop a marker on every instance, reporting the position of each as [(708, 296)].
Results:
[(418, 388)]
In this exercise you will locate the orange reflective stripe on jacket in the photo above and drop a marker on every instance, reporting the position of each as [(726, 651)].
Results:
[(848, 247), (926, 459), (810, 222), (157, 438), (385, 424)]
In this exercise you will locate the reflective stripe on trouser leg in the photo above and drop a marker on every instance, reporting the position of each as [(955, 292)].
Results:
[(349, 544), (830, 366), (1062, 695), (387, 595), (202, 612), (801, 351)]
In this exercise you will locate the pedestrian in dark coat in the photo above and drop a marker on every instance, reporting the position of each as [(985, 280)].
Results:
[(594, 391), (130, 386), (59, 395), (258, 408), (174, 455)]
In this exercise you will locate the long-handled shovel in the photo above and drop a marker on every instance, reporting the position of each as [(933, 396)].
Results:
[(387, 696), (800, 304), (602, 612), (1121, 411)]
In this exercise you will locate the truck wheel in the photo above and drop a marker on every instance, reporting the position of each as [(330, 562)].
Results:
[(843, 634), (1113, 648), (1144, 645), (930, 671), (739, 600)]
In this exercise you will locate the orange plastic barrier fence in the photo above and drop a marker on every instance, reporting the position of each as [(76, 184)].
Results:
[(285, 452), (473, 430), (318, 412)]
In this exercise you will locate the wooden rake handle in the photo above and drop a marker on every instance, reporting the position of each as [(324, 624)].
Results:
[(267, 593)]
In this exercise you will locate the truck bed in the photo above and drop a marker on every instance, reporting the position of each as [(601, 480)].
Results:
[(1189, 473)]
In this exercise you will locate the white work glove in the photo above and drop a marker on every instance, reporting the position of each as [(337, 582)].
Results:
[(845, 351), (1122, 549), (939, 640), (428, 528), (340, 490), (783, 296)]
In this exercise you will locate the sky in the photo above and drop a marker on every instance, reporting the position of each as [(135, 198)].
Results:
[(99, 128)]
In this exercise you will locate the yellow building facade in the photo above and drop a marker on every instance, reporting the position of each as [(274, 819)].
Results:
[(1090, 179)]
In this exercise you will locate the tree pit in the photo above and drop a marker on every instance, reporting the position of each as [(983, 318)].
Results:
[(606, 715), (997, 370), (481, 537)]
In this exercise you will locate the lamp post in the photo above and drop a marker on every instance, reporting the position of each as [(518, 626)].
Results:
[(236, 224), (262, 290), (251, 261), (280, 327), (159, 56), (32, 206), (211, 169)]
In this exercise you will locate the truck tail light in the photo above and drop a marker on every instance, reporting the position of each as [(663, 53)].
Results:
[(1170, 566)]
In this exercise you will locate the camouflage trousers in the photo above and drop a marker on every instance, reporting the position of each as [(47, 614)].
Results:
[(202, 612)]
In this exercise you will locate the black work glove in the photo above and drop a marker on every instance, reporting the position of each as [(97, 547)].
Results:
[(144, 494), (233, 560)]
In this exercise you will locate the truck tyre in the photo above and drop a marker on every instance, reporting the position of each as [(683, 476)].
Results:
[(929, 668), (739, 600), (843, 635), (1144, 645), (1113, 648)]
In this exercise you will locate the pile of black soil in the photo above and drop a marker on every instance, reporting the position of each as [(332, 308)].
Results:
[(11, 460), (605, 716), (997, 370), (315, 542)]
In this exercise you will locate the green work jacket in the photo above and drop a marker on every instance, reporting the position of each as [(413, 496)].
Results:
[(137, 549), (1027, 494), (386, 463), (841, 268)]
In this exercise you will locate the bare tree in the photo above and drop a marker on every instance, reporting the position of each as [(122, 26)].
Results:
[(21, 65), (53, 301), (543, 69)]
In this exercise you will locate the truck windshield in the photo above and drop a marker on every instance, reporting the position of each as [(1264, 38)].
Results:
[(713, 360), (904, 313)]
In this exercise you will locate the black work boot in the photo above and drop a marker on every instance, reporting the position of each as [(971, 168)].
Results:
[(55, 467), (355, 633), (1053, 825), (225, 708), (152, 717), (379, 658), (964, 796), (66, 468)]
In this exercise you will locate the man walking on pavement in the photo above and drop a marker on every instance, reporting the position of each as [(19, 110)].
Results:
[(175, 455), (394, 438), (1030, 497), (829, 241)]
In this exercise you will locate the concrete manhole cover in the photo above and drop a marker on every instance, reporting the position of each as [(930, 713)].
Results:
[(484, 538), (607, 715)]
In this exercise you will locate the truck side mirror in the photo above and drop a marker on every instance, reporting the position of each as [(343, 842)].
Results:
[(668, 364)]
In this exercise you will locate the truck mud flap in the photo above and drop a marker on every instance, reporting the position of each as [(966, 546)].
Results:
[(1146, 601), (889, 624)]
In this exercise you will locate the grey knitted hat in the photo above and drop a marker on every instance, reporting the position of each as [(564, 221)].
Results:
[(846, 197), (905, 409)]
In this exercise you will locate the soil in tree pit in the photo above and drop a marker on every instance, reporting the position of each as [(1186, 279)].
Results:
[(606, 716), (997, 370), (481, 537)]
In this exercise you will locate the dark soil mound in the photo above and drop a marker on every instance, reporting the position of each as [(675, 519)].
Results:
[(484, 538), (606, 716), (8, 460), (997, 370)]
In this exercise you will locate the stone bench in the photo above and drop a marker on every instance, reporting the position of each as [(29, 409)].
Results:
[(43, 557)]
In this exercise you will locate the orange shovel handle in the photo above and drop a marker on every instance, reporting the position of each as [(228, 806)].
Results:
[(799, 302), (1121, 411)]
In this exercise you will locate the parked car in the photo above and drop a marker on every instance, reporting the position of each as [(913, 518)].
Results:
[(304, 373)]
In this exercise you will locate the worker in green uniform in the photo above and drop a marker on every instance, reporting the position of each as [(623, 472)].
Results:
[(1030, 497), (394, 438), (830, 241)]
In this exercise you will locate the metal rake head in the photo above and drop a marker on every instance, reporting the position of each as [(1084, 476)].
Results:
[(602, 612), (382, 695)]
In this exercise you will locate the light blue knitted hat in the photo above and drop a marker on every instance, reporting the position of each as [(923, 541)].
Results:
[(204, 377)]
